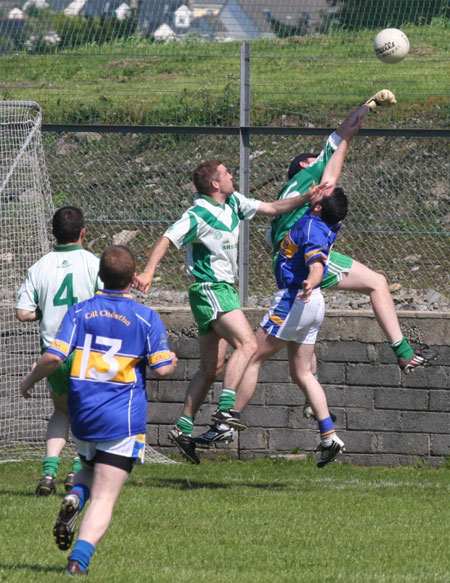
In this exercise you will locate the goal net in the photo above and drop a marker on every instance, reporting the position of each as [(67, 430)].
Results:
[(26, 211)]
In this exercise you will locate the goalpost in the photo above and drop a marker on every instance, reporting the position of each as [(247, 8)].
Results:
[(26, 209)]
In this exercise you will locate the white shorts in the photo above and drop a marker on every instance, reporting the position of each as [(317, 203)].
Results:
[(291, 319), (129, 447)]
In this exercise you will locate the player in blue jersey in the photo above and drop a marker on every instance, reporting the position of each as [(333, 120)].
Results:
[(112, 338), (297, 311), (61, 278)]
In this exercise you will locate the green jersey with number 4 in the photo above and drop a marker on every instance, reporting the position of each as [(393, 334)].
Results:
[(61, 278)]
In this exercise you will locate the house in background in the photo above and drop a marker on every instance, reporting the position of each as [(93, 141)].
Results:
[(291, 13), (16, 14), (74, 8), (95, 8), (152, 14), (164, 19), (182, 18), (237, 23), (202, 8), (250, 19), (123, 11), (209, 19)]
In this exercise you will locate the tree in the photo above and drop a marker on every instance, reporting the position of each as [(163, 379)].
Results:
[(379, 14), (283, 30)]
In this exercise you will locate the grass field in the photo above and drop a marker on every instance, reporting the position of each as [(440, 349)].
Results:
[(135, 81), (267, 521)]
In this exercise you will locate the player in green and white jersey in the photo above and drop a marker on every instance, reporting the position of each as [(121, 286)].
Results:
[(344, 273), (209, 230), (65, 276)]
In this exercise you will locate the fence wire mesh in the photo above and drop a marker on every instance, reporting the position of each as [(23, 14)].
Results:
[(174, 62), (132, 187), (178, 63)]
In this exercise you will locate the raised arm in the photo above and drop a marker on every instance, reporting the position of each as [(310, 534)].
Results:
[(285, 205), (334, 167), (352, 124), (143, 281)]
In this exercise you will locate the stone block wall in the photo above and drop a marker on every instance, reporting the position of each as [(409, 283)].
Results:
[(384, 416)]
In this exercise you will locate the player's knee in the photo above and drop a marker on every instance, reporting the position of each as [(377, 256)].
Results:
[(379, 281), (247, 345), (210, 375), (372, 281), (218, 370), (300, 377), (251, 346)]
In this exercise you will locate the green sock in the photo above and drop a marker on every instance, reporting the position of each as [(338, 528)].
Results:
[(51, 465), (227, 398), (76, 465), (402, 349), (185, 424)]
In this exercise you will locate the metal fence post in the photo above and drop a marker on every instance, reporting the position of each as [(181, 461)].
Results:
[(244, 163)]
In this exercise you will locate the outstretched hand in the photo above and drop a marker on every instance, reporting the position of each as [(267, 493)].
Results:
[(143, 281), (316, 193), (383, 98), (305, 295), (25, 387)]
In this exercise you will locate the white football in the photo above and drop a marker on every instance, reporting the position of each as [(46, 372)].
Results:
[(391, 45)]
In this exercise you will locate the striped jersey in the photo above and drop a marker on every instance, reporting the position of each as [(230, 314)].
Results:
[(60, 279), (299, 184), (210, 232), (309, 239), (113, 339)]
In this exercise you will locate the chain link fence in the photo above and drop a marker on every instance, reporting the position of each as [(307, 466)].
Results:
[(177, 61), (133, 186), (142, 69)]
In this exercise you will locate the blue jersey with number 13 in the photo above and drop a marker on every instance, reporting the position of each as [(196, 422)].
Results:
[(113, 338)]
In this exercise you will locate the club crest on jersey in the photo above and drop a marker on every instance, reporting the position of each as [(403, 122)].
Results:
[(218, 235), (64, 264)]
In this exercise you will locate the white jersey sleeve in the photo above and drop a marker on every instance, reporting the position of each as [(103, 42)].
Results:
[(58, 280), (183, 230)]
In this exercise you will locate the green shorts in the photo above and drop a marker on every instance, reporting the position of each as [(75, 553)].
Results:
[(59, 379), (208, 300), (337, 266)]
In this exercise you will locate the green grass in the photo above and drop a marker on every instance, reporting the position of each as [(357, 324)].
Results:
[(267, 521), (135, 81)]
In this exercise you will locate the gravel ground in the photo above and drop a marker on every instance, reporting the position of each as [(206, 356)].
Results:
[(417, 301)]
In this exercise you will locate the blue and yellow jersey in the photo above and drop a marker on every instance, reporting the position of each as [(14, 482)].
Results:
[(113, 339), (309, 239)]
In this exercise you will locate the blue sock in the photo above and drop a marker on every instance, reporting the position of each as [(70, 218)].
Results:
[(326, 428), (83, 493), (82, 552)]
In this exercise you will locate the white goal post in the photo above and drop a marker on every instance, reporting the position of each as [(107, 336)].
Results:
[(25, 215)]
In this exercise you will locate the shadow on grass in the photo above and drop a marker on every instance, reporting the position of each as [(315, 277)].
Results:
[(187, 484), (29, 494), (32, 568)]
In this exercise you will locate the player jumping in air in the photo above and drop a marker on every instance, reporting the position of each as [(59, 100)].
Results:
[(344, 273)]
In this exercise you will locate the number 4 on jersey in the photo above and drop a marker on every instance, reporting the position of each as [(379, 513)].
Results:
[(64, 296)]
